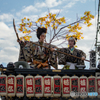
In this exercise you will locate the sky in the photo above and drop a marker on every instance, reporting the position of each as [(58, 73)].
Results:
[(33, 9)]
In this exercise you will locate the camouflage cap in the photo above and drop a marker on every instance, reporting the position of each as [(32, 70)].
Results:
[(72, 38)]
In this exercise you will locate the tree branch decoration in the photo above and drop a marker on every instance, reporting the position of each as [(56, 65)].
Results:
[(57, 27)]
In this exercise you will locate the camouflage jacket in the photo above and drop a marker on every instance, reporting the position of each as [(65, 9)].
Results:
[(35, 52), (63, 59)]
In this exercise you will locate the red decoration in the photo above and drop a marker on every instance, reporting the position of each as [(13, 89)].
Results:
[(98, 86), (91, 85), (19, 84), (66, 85), (47, 85), (74, 84), (57, 85), (11, 88), (38, 85), (29, 86), (83, 85), (3, 84)]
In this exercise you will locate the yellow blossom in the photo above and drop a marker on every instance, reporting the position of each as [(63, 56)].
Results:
[(25, 18), (82, 37), (28, 19), (30, 23)]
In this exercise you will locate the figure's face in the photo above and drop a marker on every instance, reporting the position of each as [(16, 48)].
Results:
[(71, 43), (42, 37)]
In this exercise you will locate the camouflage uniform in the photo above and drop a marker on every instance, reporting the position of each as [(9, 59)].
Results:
[(34, 52), (25, 52), (63, 59)]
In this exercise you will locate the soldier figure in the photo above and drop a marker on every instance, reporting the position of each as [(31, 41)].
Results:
[(38, 55), (68, 60)]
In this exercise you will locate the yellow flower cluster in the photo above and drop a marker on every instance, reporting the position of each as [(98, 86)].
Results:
[(25, 23), (23, 28), (77, 36), (87, 18), (26, 38), (50, 20), (75, 29)]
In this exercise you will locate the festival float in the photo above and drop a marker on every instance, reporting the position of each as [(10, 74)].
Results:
[(31, 79)]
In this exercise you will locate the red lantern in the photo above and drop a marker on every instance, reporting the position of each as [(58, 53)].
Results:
[(75, 85), (83, 86), (65, 86), (38, 86), (19, 85), (98, 86), (47, 86), (3, 85), (91, 85), (29, 86), (11, 85), (56, 86)]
